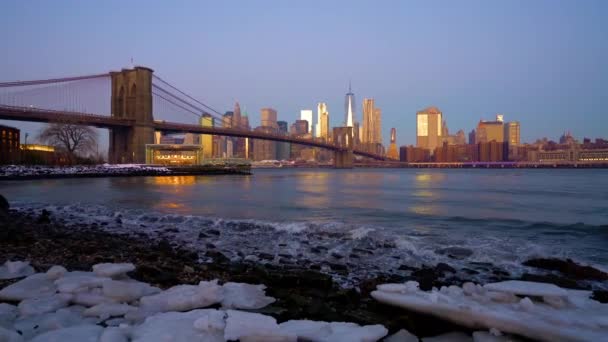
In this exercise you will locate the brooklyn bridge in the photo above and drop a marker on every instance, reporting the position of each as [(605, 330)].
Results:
[(133, 104)]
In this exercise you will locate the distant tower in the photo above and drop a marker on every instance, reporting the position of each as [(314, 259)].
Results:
[(306, 114), (393, 153), (321, 116), (428, 128), (349, 108), (236, 119)]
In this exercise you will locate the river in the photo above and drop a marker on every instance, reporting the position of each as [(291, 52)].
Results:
[(498, 216)]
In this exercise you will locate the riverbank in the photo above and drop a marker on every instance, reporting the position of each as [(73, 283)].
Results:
[(22, 172), (303, 290)]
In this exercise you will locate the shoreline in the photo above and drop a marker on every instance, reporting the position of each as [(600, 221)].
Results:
[(302, 291)]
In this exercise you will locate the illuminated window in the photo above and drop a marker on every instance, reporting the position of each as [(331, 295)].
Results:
[(439, 125), (423, 125)]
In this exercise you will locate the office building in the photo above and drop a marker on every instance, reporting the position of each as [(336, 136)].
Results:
[(490, 131), (512, 133), (428, 128), (206, 140), (306, 114), (392, 149), (269, 118), (283, 148), (349, 108), (299, 128), (321, 128)]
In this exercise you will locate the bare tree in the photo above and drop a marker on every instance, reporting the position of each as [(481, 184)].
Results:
[(73, 139)]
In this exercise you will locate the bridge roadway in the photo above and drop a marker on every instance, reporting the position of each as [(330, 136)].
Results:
[(104, 121)]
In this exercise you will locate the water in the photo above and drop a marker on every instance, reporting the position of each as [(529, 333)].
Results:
[(385, 217)]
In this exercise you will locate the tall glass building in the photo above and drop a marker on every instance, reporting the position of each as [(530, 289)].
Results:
[(349, 108)]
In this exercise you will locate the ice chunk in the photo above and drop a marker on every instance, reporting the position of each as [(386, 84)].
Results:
[(177, 327), (91, 298), (401, 336), (449, 337), (484, 336), (16, 269), (107, 310), (249, 326), (213, 321), (34, 325), (78, 281), (7, 335), (334, 331), (245, 296), (8, 313), (35, 285), (112, 270), (114, 334), (183, 297), (82, 333), (127, 291), (40, 305), (527, 288), (474, 307), (56, 272)]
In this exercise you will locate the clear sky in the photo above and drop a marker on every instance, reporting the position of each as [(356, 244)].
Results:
[(543, 62)]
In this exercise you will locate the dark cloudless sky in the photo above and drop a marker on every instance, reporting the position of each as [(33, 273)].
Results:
[(542, 62)]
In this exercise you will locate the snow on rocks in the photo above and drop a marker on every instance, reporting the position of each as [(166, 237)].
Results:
[(244, 296), (113, 270), (15, 269), (334, 331), (474, 306), (56, 272), (111, 169)]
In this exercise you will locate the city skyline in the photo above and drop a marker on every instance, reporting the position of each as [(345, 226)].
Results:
[(481, 59)]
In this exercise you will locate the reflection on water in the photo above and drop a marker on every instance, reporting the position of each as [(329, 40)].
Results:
[(176, 180), (425, 183), (314, 190)]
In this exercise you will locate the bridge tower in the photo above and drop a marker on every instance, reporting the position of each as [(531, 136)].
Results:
[(343, 137), (131, 99)]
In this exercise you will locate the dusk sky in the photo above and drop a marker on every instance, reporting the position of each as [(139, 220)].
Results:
[(543, 63)]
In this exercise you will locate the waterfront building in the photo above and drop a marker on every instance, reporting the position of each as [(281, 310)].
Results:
[(174, 154), (472, 137), (392, 149), (428, 128), (306, 114), (512, 133), (490, 131), (413, 154), (493, 151), (299, 128), (349, 108), (236, 118), (227, 143), (9, 145)]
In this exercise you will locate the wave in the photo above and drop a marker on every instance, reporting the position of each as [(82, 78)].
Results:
[(367, 249)]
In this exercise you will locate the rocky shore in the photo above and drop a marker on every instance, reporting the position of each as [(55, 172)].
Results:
[(301, 289)]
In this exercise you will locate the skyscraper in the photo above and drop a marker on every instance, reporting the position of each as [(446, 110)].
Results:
[(269, 117), (283, 148), (236, 119), (206, 140), (428, 128), (512, 133), (371, 139), (321, 115), (349, 108), (306, 114), (392, 149)]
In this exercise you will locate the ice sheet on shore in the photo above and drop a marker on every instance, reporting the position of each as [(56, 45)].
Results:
[(474, 306), (15, 269), (244, 296), (36, 285), (112, 270), (179, 326), (183, 297), (82, 333), (333, 331)]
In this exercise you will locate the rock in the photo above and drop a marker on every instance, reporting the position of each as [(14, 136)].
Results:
[(217, 256), (443, 267), (456, 252), (337, 255), (44, 217), (266, 256), (337, 267), (568, 268), (213, 232), (4, 205), (600, 295)]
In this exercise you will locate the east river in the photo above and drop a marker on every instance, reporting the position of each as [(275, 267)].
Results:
[(419, 216)]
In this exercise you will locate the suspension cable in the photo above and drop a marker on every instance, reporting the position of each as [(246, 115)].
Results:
[(50, 80)]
